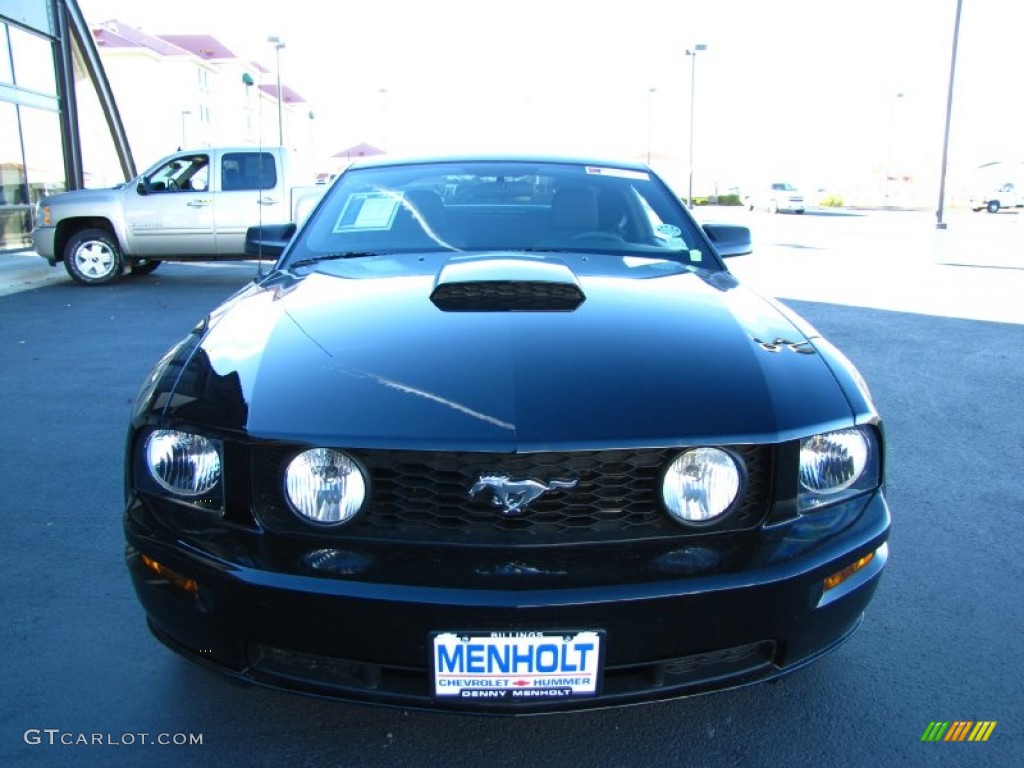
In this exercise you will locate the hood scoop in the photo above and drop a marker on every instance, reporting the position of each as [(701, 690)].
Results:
[(507, 285)]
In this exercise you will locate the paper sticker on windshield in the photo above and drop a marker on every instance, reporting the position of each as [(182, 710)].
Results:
[(620, 173), (637, 262), (696, 256), (367, 211), (670, 230)]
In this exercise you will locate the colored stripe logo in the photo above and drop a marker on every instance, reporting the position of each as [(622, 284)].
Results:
[(959, 730)]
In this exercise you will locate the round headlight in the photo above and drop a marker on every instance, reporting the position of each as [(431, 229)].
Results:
[(700, 485), (183, 463), (325, 486), (832, 462)]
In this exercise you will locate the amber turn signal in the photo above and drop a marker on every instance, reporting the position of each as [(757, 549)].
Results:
[(839, 577), (175, 578)]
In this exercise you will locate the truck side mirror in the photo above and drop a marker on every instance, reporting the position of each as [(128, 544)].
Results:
[(143, 186)]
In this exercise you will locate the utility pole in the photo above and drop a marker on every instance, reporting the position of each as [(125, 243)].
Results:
[(692, 53), (940, 224)]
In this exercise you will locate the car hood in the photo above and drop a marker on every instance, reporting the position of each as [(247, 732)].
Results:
[(673, 358)]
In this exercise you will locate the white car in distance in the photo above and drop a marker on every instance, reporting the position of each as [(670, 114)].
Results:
[(777, 197)]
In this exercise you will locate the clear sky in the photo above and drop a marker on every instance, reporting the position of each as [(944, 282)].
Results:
[(806, 89)]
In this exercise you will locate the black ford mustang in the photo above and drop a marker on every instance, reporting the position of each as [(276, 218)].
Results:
[(503, 435)]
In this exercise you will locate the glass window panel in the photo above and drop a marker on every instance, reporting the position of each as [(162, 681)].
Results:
[(247, 170), (10, 152), (100, 164), (44, 156), (33, 62), (6, 75), (14, 209)]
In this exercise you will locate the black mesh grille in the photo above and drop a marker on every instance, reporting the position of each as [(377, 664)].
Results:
[(424, 496), (507, 296)]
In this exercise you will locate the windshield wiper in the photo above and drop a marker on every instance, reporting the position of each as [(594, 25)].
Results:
[(332, 257)]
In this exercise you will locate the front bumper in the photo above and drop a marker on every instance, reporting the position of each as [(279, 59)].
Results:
[(43, 239), (677, 620)]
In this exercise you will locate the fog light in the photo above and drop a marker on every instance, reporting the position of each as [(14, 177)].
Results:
[(700, 485), (839, 577), (325, 486), (173, 577)]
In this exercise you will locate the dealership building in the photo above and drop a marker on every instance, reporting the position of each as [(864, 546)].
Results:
[(61, 129), (57, 112)]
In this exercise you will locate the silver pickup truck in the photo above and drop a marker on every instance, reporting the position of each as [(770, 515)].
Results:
[(191, 206)]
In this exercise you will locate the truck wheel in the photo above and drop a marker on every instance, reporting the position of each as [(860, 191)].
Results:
[(93, 257), (144, 267), (993, 206)]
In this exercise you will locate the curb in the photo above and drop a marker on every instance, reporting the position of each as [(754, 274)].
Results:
[(25, 270)]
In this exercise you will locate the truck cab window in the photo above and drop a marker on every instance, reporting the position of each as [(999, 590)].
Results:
[(247, 171), (181, 173)]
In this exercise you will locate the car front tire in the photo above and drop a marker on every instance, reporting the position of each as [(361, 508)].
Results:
[(93, 257), (993, 206)]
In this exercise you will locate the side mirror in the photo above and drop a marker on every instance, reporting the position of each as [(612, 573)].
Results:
[(729, 239), (268, 241), (143, 186)]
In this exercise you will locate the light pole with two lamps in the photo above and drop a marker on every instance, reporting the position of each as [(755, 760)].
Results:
[(692, 53)]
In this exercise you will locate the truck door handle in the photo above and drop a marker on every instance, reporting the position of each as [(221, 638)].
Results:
[(197, 203), (267, 201)]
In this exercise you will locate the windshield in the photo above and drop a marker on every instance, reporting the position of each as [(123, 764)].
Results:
[(502, 206)]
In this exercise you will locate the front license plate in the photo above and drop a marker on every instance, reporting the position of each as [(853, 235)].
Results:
[(516, 666)]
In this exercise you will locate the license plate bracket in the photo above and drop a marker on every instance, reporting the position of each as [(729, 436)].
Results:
[(516, 666)]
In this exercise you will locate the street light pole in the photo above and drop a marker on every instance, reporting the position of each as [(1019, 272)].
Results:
[(312, 146), (940, 224), (692, 53), (278, 45), (247, 81)]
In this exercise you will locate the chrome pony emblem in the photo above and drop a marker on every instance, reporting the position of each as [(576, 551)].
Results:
[(513, 496)]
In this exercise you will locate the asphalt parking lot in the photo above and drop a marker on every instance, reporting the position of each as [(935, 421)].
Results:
[(935, 324)]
